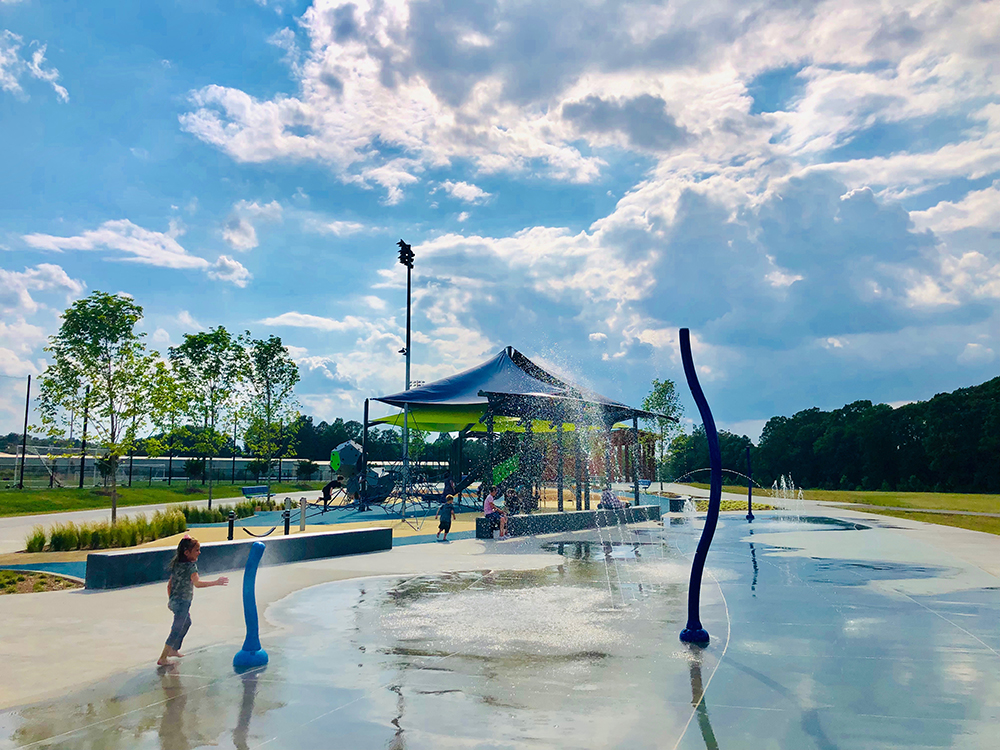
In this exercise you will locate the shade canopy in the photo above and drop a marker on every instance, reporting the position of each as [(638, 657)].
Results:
[(511, 389)]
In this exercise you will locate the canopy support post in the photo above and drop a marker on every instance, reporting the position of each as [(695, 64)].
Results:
[(635, 458), (489, 450), (364, 460), (579, 468), (559, 466)]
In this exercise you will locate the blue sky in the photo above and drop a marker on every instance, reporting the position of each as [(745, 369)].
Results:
[(813, 189)]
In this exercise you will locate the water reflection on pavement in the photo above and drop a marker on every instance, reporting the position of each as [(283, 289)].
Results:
[(806, 652)]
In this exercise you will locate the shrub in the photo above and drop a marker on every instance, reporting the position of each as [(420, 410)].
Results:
[(36, 540), (306, 469)]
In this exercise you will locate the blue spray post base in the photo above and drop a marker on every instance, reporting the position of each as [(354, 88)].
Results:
[(249, 659), (697, 636), (251, 655)]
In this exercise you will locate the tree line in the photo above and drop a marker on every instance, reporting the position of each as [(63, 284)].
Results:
[(950, 443)]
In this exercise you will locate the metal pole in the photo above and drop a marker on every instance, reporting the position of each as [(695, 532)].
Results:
[(83, 440), (579, 467), (364, 459), (489, 451), (694, 632), (24, 437), (130, 469), (233, 480), (635, 458), (406, 408), (749, 488), (607, 456), (559, 466)]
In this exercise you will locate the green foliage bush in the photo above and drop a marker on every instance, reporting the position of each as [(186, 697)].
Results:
[(36, 540), (219, 514), (128, 532)]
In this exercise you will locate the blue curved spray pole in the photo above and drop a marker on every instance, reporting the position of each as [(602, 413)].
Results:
[(694, 632), (251, 655)]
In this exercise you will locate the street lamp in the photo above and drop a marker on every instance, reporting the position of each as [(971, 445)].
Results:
[(406, 259)]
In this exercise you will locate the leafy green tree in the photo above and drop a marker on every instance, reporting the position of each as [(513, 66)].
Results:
[(169, 399), (208, 364), (271, 376), (99, 363), (663, 399), (306, 470)]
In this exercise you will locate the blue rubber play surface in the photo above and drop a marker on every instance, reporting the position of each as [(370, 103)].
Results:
[(825, 634)]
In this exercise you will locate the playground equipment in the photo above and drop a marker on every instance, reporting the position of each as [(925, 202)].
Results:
[(251, 655)]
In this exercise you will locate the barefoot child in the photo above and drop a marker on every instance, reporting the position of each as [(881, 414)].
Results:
[(180, 591), (447, 513)]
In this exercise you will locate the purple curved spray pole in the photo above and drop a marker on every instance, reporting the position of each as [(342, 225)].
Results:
[(694, 632)]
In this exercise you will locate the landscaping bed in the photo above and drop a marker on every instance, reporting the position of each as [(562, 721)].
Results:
[(27, 582)]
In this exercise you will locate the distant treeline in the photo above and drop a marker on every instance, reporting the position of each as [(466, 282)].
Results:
[(950, 443)]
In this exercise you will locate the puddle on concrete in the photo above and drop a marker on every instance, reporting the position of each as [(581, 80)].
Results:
[(583, 654)]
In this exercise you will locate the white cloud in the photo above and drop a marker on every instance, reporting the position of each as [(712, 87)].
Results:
[(16, 287), (160, 336), (239, 230), (231, 270), (138, 245), (979, 208), (375, 303), (465, 191), (339, 228), (598, 336), (186, 319), (976, 354), (303, 320), (13, 366), (464, 216), (13, 66)]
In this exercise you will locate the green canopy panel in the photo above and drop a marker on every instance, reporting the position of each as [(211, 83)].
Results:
[(430, 419)]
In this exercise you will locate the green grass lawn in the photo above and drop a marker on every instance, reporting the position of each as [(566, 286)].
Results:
[(916, 500), (27, 502)]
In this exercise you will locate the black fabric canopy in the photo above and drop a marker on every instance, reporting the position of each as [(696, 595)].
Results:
[(507, 385)]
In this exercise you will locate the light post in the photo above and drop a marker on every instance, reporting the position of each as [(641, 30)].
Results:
[(406, 259)]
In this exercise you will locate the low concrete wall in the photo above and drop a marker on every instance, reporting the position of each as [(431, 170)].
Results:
[(130, 567), (576, 520)]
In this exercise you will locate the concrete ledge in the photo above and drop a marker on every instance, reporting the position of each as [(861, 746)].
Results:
[(548, 523), (117, 568)]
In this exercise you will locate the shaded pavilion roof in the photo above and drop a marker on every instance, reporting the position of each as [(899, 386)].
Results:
[(511, 388)]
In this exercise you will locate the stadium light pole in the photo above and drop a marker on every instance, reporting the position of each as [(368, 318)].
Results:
[(406, 259)]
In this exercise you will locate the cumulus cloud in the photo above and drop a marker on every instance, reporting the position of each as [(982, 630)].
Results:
[(239, 230), (231, 270), (779, 147), (465, 191), (137, 244), (13, 65), (304, 320), (16, 287)]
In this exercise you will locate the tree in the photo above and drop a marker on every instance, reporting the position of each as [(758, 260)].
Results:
[(100, 363), (169, 400), (271, 376), (208, 364), (663, 399)]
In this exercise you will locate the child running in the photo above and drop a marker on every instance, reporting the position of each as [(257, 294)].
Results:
[(447, 513), (180, 591)]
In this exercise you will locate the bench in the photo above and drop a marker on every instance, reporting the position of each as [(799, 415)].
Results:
[(256, 491)]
